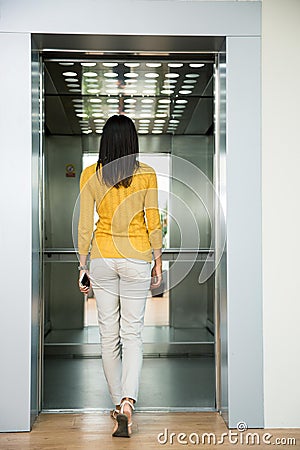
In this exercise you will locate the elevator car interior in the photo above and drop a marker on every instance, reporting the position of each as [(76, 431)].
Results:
[(172, 99)]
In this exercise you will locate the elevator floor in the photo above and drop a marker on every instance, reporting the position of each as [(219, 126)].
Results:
[(181, 382)]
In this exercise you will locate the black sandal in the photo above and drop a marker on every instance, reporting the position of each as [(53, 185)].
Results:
[(122, 420)]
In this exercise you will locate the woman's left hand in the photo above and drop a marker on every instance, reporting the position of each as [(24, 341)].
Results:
[(156, 276)]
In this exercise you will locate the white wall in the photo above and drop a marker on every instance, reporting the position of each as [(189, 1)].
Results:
[(131, 17), (243, 204), (15, 235), (281, 211)]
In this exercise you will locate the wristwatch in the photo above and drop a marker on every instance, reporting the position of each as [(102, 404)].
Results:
[(83, 267)]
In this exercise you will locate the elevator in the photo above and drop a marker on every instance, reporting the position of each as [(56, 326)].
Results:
[(173, 100), (30, 36)]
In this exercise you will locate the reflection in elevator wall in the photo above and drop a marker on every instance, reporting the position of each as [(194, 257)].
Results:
[(161, 164), (157, 311)]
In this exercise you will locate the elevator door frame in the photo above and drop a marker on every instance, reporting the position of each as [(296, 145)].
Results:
[(242, 353), (213, 58)]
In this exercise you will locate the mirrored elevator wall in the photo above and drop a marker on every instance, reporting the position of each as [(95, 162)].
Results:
[(191, 303)]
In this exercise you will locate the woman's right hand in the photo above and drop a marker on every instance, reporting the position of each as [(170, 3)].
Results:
[(83, 289)]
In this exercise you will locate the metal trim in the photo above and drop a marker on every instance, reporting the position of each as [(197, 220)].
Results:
[(216, 184), (52, 255), (132, 44), (165, 250), (151, 410), (41, 232), (151, 350), (146, 56)]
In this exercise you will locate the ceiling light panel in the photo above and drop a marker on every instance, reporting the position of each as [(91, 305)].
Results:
[(69, 74), (145, 90), (66, 64), (110, 64)]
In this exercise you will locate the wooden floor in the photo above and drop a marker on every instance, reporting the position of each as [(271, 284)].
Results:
[(91, 431)]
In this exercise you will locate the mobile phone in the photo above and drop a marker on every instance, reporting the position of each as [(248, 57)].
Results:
[(84, 280)]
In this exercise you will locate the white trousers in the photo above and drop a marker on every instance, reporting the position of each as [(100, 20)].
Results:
[(121, 288)]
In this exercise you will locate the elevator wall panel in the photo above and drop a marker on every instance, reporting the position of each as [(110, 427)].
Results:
[(63, 301), (189, 300), (62, 188), (66, 302), (198, 151), (190, 303)]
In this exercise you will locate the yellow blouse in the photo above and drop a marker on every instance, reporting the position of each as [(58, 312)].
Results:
[(129, 222)]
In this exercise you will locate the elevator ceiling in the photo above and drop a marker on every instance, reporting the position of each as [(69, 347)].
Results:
[(161, 96)]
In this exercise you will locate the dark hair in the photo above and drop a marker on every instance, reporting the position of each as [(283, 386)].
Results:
[(118, 151)]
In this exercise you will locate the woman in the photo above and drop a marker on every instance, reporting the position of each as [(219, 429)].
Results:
[(127, 232)]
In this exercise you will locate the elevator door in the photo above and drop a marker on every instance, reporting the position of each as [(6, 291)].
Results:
[(172, 104)]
